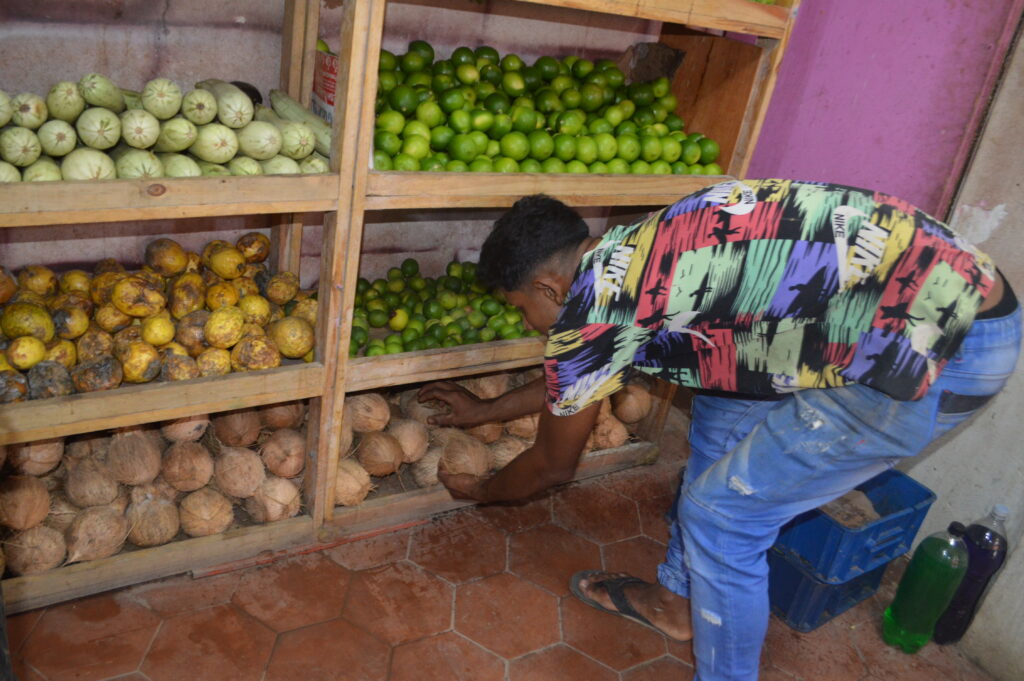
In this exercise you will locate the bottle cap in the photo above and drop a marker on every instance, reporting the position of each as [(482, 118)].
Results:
[(1000, 512), (956, 529)]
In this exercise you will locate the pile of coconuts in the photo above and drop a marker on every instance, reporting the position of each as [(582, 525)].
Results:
[(387, 434), (86, 497)]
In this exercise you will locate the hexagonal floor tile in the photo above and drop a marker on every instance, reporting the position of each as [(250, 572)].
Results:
[(507, 614), (295, 592), (662, 669), (652, 517), (558, 663), (445, 657), (98, 637), (516, 517), (215, 644), (399, 602), (597, 513), (20, 626), (614, 641), (638, 556), (459, 547), (644, 482), (169, 597), (330, 651), (549, 555), (372, 551), (814, 655)]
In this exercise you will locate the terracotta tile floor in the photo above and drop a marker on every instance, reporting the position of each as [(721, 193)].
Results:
[(477, 595)]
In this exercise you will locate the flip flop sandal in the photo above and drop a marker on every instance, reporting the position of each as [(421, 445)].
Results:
[(613, 586)]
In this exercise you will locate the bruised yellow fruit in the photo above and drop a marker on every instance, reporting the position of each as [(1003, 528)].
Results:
[(140, 362), (103, 285), (193, 261), (107, 265), (224, 327), (256, 309), (293, 336), (174, 348), (8, 285), (25, 296), (111, 319), (211, 247), (178, 368), (250, 329), (158, 330), (124, 338), (190, 332), (63, 352), (137, 296), (70, 322), (75, 281), (282, 287), (188, 293), (309, 356), (220, 295), (254, 246), (93, 344), (210, 278), (276, 312), (306, 309), (255, 271), (4, 366), (27, 319), (166, 256), (102, 373), (38, 279), (214, 362), (245, 286), (153, 277), (254, 353), (25, 352), (69, 300), (227, 262)]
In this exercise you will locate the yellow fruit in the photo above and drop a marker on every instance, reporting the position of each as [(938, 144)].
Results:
[(38, 279), (245, 286), (194, 262), (124, 338), (256, 309), (309, 356), (224, 327), (63, 352), (107, 265), (254, 353), (4, 366), (138, 297), (214, 362), (227, 262), (282, 287), (190, 332), (140, 362), (110, 319), (306, 309), (178, 368), (70, 322), (25, 352), (102, 373), (27, 319), (103, 285), (157, 330), (25, 296), (188, 293), (166, 256), (254, 246), (8, 285), (93, 344), (209, 249), (69, 300), (251, 329), (276, 312), (153, 277), (220, 295), (174, 348), (255, 270), (75, 281), (293, 336)]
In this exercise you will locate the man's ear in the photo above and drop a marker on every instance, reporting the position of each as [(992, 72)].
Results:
[(550, 286)]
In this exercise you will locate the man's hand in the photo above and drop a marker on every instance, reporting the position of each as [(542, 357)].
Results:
[(467, 409), (463, 486)]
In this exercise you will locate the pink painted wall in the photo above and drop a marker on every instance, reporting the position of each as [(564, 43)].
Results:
[(884, 94)]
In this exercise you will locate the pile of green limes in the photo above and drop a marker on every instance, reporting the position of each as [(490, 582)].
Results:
[(407, 311), (482, 112)]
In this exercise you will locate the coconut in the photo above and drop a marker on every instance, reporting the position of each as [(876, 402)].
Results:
[(421, 411), (369, 412), (96, 533), (205, 512), (379, 453), (352, 483), (276, 499), (37, 458), (465, 454), (487, 387), (188, 429), (486, 432), (632, 403), (62, 512), (134, 456), (54, 480), (284, 415), (605, 410), (238, 472), (610, 433), (186, 466), (24, 502), (158, 488), (33, 551), (238, 428), (284, 452), (521, 378), (504, 449), (152, 520), (524, 426), (412, 436), (89, 483), (91, 444), (121, 501), (424, 471)]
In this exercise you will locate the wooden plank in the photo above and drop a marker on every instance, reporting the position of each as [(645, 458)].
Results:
[(292, 35), (365, 373), (55, 203), (125, 406), (388, 190), (132, 567), (312, 32)]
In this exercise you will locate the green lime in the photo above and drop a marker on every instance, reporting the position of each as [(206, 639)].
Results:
[(486, 53), (680, 168), (626, 128), (553, 165), (671, 149), (377, 318), (695, 136), (497, 102), (423, 48), (415, 128), (481, 119), (628, 107), (388, 61), (661, 167), (481, 164), (660, 86), (599, 125), (586, 149), (501, 126), (456, 166), (542, 145), (386, 81), (467, 73), (442, 82), (403, 99), (443, 67), (515, 145), (618, 166), (399, 318), (460, 121), (650, 148), (571, 122), (381, 160), (430, 113), (441, 137), (614, 76), (628, 147), (614, 114), (529, 165), (582, 68), (405, 162), (709, 150), (547, 100), (597, 167), (561, 83), (696, 169), (504, 164), (513, 83), (463, 148), (416, 146), (641, 93), (390, 121), (640, 167), (571, 98), (511, 62), (713, 169), (531, 77), (591, 97), (489, 73), (523, 119), (387, 142), (487, 334), (463, 55), (421, 82), (673, 122), (565, 147), (451, 100), (548, 67), (493, 149), (690, 152), (576, 166), (607, 146)]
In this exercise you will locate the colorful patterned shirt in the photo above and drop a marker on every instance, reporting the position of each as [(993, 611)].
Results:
[(764, 287)]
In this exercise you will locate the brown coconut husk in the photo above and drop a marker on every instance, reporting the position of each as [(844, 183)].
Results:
[(524, 426), (463, 454), (36, 458), (487, 387), (276, 499), (284, 452), (62, 512), (421, 411), (159, 488), (96, 532), (239, 428), (35, 550), (205, 512), (486, 432), (89, 483), (121, 501), (90, 444), (610, 433), (352, 483), (24, 502), (186, 466), (424, 471), (134, 456), (503, 450), (188, 429), (238, 472), (54, 480), (632, 403), (412, 436), (521, 378), (379, 453), (284, 415), (368, 412), (152, 521)]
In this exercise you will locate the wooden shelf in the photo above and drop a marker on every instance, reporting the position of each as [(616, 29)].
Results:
[(365, 373), (131, 405), (121, 200), (394, 189)]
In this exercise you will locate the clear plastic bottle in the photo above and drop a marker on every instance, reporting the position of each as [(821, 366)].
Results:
[(986, 553), (935, 571)]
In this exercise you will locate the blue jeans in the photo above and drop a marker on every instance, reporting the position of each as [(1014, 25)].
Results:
[(754, 465)]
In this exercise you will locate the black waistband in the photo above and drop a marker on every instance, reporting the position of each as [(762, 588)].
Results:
[(1006, 304)]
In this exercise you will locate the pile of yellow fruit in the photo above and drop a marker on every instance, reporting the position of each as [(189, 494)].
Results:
[(183, 315)]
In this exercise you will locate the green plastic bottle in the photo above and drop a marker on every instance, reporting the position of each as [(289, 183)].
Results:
[(926, 589)]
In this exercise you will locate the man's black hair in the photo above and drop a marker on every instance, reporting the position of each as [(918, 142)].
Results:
[(533, 231)]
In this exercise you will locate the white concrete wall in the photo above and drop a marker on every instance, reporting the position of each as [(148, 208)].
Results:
[(984, 464)]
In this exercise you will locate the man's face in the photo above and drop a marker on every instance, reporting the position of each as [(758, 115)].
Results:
[(537, 305)]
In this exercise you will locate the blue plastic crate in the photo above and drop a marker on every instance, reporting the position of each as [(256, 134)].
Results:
[(835, 554), (805, 603)]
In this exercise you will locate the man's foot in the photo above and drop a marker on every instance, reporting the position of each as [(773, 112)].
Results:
[(631, 597)]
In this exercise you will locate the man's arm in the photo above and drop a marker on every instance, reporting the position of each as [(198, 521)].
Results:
[(468, 410)]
